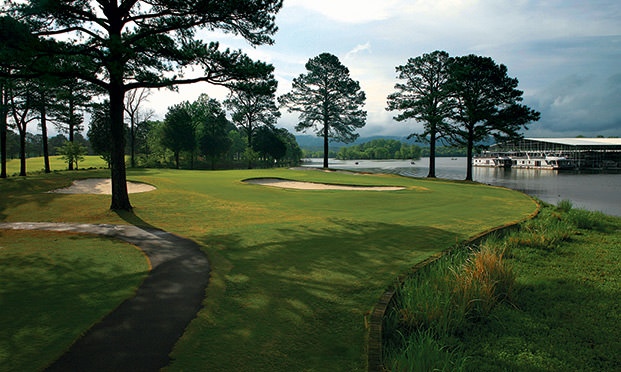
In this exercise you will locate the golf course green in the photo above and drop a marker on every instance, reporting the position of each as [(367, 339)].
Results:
[(293, 271)]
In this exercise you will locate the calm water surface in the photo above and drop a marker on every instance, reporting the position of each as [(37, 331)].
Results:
[(599, 191)]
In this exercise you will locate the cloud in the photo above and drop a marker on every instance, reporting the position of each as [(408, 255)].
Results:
[(350, 11), (359, 48), (584, 104)]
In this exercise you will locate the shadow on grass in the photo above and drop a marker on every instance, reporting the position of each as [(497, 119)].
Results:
[(303, 291), (48, 300), (18, 191), (131, 218), (561, 325)]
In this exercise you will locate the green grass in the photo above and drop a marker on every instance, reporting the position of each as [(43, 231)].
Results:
[(37, 164), (293, 271), (564, 313), (54, 286)]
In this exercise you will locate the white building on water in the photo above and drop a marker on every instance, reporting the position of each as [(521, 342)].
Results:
[(555, 153)]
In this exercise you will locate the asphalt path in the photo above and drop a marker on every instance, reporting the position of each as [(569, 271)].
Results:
[(140, 333)]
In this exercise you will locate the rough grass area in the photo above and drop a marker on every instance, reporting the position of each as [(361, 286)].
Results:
[(54, 286), (37, 164), (293, 271), (562, 313)]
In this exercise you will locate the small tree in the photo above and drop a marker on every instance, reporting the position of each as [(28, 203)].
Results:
[(486, 104), (328, 101), (72, 153), (178, 132), (99, 133), (425, 97), (134, 99), (254, 105), (212, 128), (268, 143), (22, 104)]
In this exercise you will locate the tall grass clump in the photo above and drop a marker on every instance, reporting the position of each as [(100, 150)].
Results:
[(483, 281), (564, 205), (545, 232), (423, 352), (440, 301), (587, 220)]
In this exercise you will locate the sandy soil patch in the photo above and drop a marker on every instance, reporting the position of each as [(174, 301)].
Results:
[(101, 186), (316, 186)]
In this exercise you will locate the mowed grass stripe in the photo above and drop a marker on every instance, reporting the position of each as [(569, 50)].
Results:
[(294, 271)]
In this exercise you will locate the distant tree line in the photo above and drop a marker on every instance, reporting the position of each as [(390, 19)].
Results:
[(380, 149)]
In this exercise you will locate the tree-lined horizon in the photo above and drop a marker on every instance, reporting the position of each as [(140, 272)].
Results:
[(122, 48)]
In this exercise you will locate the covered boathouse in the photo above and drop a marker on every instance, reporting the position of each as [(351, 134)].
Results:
[(584, 153)]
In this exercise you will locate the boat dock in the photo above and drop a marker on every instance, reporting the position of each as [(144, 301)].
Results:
[(554, 153)]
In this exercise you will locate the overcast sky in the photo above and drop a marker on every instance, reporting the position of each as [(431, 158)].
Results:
[(566, 54)]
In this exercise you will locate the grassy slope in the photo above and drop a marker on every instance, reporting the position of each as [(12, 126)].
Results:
[(294, 271), (56, 164), (568, 312), (55, 286)]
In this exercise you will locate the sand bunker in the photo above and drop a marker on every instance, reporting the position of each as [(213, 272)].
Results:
[(101, 186), (276, 182)]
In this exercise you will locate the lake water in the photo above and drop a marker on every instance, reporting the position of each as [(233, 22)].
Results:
[(592, 191)]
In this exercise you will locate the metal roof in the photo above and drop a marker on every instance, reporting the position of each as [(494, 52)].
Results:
[(580, 141)]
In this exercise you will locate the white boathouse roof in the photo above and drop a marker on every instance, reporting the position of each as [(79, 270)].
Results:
[(580, 141)]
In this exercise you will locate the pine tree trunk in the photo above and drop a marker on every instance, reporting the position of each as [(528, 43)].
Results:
[(3, 147), (325, 145), (120, 198), (71, 126), (469, 160), (22, 151), (249, 132), (132, 138), (3, 128), (46, 154), (432, 153)]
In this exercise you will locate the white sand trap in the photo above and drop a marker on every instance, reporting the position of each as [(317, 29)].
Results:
[(101, 186), (276, 182)]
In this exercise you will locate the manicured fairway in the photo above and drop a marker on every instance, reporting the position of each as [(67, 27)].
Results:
[(294, 271), (54, 287)]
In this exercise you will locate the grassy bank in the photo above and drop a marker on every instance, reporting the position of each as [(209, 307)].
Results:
[(293, 271), (54, 287), (550, 302)]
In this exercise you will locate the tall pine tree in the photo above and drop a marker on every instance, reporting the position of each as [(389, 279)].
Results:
[(486, 104), (328, 100), (424, 96)]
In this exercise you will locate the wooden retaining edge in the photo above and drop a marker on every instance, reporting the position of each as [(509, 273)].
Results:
[(375, 361)]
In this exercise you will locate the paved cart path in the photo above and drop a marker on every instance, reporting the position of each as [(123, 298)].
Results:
[(141, 332)]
